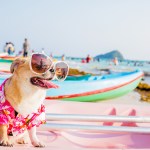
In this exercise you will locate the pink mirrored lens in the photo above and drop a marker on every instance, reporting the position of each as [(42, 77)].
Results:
[(40, 63), (61, 70)]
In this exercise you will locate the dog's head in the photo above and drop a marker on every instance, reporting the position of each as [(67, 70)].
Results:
[(21, 70)]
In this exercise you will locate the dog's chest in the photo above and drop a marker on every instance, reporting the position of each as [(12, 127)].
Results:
[(31, 103)]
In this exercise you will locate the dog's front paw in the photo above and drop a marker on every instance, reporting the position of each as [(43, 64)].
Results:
[(22, 140), (6, 143), (37, 144)]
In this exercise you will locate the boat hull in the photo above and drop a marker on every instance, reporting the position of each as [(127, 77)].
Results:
[(6, 61), (96, 90), (120, 91)]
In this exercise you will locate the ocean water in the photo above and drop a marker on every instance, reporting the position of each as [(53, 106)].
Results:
[(105, 67), (123, 66)]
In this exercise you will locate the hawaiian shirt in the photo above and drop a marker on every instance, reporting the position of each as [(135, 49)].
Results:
[(17, 123)]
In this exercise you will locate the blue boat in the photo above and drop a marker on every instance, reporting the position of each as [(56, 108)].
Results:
[(93, 88)]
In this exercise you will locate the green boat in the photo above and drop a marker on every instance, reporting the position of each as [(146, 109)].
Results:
[(5, 60)]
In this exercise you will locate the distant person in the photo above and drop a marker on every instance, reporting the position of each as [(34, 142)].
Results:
[(9, 48), (25, 48), (63, 57), (83, 60), (98, 59), (116, 61), (88, 59)]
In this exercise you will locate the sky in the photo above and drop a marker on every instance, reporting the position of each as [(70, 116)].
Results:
[(78, 27)]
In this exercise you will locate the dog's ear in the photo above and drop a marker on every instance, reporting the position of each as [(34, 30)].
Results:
[(16, 63)]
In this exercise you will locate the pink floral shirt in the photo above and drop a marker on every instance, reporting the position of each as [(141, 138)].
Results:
[(18, 124)]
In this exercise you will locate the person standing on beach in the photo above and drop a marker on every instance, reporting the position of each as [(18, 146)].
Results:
[(115, 60), (63, 57), (25, 48), (9, 48), (88, 59)]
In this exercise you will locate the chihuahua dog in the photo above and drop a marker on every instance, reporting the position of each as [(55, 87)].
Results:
[(21, 102)]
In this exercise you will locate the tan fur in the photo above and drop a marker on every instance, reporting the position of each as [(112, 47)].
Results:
[(24, 97)]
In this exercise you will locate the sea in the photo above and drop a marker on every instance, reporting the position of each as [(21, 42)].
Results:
[(107, 67)]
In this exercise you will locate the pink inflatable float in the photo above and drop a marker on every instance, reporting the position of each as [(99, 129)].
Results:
[(102, 139)]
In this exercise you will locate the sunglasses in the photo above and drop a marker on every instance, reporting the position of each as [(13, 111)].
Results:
[(41, 63)]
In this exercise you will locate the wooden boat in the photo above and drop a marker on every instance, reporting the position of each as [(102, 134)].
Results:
[(7, 58), (93, 88), (96, 88)]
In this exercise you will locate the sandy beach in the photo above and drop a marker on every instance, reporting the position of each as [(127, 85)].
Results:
[(132, 98)]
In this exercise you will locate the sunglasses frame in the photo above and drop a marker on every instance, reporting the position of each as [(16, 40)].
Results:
[(53, 64)]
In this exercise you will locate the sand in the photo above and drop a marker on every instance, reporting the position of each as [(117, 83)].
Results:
[(130, 98)]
